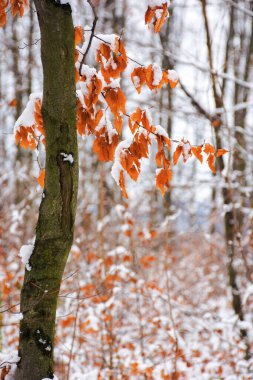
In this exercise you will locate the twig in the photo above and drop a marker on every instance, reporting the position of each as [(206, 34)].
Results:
[(109, 43), (29, 45), (6, 362), (9, 308), (91, 36), (195, 103), (73, 337)]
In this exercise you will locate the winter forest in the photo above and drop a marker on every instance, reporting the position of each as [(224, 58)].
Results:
[(126, 201)]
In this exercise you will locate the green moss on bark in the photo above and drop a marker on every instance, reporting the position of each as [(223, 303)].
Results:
[(54, 231)]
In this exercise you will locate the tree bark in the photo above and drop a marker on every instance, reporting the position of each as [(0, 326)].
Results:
[(230, 219), (54, 231)]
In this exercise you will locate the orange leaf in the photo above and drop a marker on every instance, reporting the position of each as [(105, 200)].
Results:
[(142, 75), (79, 37), (149, 76), (172, 78), (118, 122), (160, 21), (158, 15), (94, 89), (113, 62), (216, 122), (2, 17), (41, 178), (88, 290), (134, 369), (162, 140), (116, 100), (221, 152), (139, 147), (135, 120), (163, 179), (122, 184), (138, 78), (26, 137), (160, 158), (177, 154), (87, 120), (197, 151), (153, 234), (149, 15), (18, 6), (210, 161), (104, 146), (5, 371), (13, 103), (208, 148), (130, 163), (147, 260), (68, 321), (39, 119)]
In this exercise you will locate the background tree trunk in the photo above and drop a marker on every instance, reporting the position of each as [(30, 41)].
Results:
[(54, 232)]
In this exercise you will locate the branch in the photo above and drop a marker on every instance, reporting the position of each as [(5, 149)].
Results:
[(109, 43), (91, 36), (240, 8), (196, 104), (217, 98)]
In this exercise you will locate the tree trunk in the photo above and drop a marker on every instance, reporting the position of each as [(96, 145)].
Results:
[(54, 231), (230, 219)]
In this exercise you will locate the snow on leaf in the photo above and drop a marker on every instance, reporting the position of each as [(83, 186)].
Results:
[(112, 58), (90, 86), (29, 126), (138, 77), (172, 78), (157, 14), (39, 119), (116, 168), (161, 137), (26, 137), (154, 77), (130, 163), (187, 153), (184, 148)]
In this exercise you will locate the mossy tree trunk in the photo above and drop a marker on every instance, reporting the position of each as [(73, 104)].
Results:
[(54, 232)]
